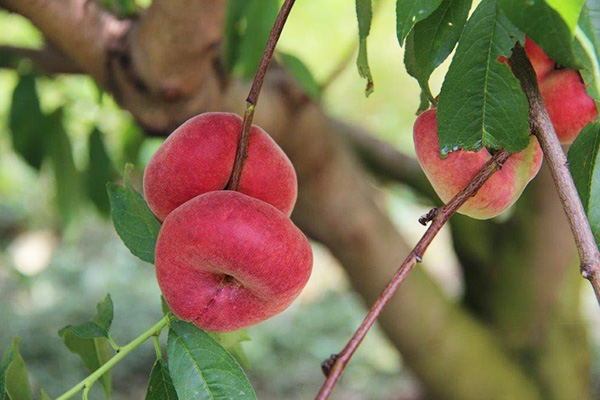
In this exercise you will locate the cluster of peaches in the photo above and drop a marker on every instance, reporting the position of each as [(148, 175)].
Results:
[(225, 259), (569, 108)]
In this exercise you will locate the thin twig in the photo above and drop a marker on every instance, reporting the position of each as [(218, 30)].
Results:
[(541, 126), (338, 362), (252, 99)]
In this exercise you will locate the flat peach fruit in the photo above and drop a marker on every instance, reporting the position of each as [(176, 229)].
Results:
[(198, 158), (450, 175), (226, 261)]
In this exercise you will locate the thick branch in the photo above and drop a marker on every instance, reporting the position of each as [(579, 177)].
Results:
[(439, 218), (48, 59), (384, 160), (542, 127), (80, 29)]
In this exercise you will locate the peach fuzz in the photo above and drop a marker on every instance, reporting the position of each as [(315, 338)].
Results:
[(450, 175), (226, 261), (198, 157)]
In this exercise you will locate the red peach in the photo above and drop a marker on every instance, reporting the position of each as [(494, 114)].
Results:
[(450, 175), (226, 261), (541, 62), (198, 158), (569, 106)]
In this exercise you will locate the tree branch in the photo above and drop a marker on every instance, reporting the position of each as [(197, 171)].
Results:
[(542, 127), (384, 160), (438, 218), (80, 29), (48, 59)]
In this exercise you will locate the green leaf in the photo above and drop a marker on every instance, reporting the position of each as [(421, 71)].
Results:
[(13, 375), (481, 102), (131, 143), (93, 352), (7, 359), (201, 368), (569, 10), (584, 163), (551, 29), (423, 103), (44, 395), (364, 14), (432, 40), (99, 172), (66, 176), (160, 384), (233, 31), (27, 121), (301, 73), (232, 342), (587, 66), (134, 222), (593, 7), (259, 17), (89, 340), (409, 12), (164, 306)]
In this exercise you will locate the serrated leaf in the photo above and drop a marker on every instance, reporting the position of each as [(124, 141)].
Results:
[(259, 17), (66, 176), (201, 368), (364, 14), (584, 163), (432, 40), (99, 172), (13, 374), (481, 102), (160, 384), (546, 26), (27, 121), (134, 222), (232, 342), (302, 74), (409, 12), (89, 340)]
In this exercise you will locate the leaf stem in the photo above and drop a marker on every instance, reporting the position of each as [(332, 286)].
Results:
[(156, 341), (87, 383), (590, 50), (113, 344)]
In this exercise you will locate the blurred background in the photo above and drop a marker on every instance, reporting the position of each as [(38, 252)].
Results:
[(60, 255)]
